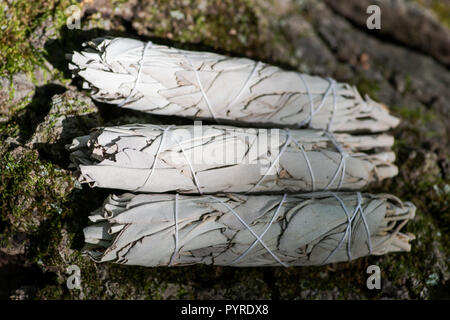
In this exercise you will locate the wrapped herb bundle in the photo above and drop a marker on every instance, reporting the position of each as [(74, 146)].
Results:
[(210, 159), (162, 80), (243, 230)]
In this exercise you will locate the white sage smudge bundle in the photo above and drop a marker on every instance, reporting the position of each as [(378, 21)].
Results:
[(210, 159), (163, 80), (242, 230)]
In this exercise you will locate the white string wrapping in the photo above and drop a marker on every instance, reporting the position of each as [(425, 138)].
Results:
[(138, 77), (262, 234), (299, 230), (348, 229), (313, 111), (347, 233), (169, 87), (184, 155), (258, 238), (205, 96), (163, 134), (194, 175), (286, 143), (363, 217), (175, 250), (341, 167), (334, 106), (245, 84), (308, 161), (251, 231), (201, 88)]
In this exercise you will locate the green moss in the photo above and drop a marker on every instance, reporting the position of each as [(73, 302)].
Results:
[(22, 24), (404, 269), (8, 129), (440, 8), (423, 184), (408, 84), (230, 25), (414, 114), (31, 191), (367, 86), (19, 20)]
